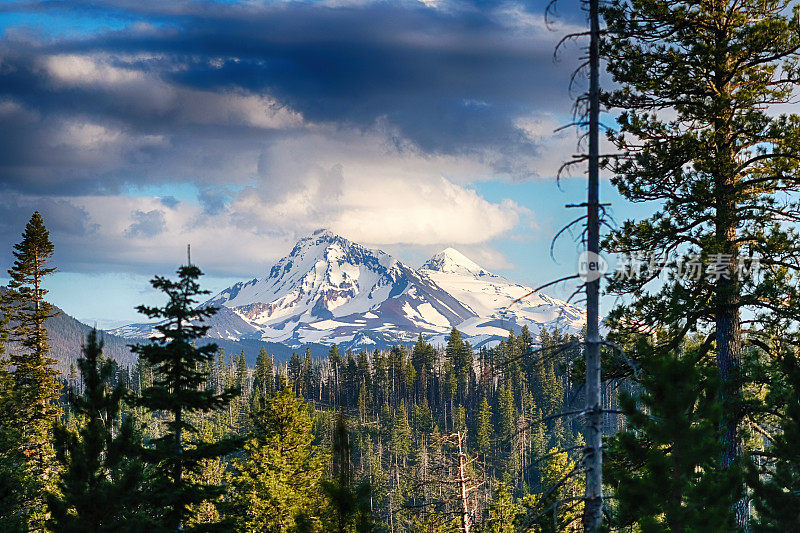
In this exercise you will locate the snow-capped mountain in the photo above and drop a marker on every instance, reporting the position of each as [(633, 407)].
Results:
[(493, 299), (331, 290)]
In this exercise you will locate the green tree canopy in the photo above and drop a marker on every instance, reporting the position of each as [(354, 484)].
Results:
[(179, 390)]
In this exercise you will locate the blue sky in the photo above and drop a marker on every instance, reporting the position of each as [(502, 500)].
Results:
[(137, 127)]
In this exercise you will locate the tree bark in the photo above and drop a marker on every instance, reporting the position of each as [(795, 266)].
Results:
[(593, 452), (462, 484)]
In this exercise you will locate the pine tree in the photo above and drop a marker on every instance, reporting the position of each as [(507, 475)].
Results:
[(776, 486), (178, 390), (335, 361), (350, 502), (262, 379), (506, 433), (423, 355), (306, 375), (211, 471), (379, 379), (460, 356), (698, 138), (101, 478), (242, 375), (449, 383), (276, 486), (665, 467), (401, 433), (243, 391), (30, 401), (294, 370), (558, 507), (503, 512), (485, 429)]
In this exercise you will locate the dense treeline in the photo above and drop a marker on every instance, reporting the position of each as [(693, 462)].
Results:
[(405, 414), (428, 438), (191, 438), (424, 439), (702, 354), (421, 439)]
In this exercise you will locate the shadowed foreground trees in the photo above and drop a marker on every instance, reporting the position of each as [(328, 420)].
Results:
[(698, 88), (664, 468), (102, 478), (181, 371)]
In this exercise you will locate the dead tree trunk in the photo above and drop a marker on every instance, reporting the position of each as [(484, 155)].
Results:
[(462, 486), (593, 453)]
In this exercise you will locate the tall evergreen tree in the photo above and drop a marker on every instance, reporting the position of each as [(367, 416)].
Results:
[(558, 506), (294, 370), (665, 468), (30, 400), (503, 512), (276, 486), (335, 361), (507, 418), (484, 431), (243, 391), (262, 376), (697, 136), (99, 487), (306, 375), (349, 501), (179, 391), (262, 379), (460, 355), (400, 434)]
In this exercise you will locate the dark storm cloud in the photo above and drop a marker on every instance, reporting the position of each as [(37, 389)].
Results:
[(451, 80)]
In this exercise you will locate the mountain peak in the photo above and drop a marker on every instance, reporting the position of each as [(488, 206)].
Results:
[(452, 261), (329, 289), (323, 232), (320, 239)]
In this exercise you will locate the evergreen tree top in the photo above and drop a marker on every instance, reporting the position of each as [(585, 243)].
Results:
[(31, 254), (179, 310), (174, 354)]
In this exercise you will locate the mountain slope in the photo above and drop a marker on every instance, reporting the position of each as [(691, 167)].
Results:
[(328, 289), (492, 299), (331, 290), (67, 335)]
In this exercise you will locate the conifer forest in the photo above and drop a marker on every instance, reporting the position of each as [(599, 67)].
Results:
[(699, 350)]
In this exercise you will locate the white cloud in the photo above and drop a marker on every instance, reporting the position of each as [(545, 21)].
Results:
[(372, 187), (138, 234), (150, 95), (82, 71), (88, 136), (554, 148), (426, 212)]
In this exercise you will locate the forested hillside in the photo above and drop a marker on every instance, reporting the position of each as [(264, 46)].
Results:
[(682, 414), (427, 438), (406, 411)]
